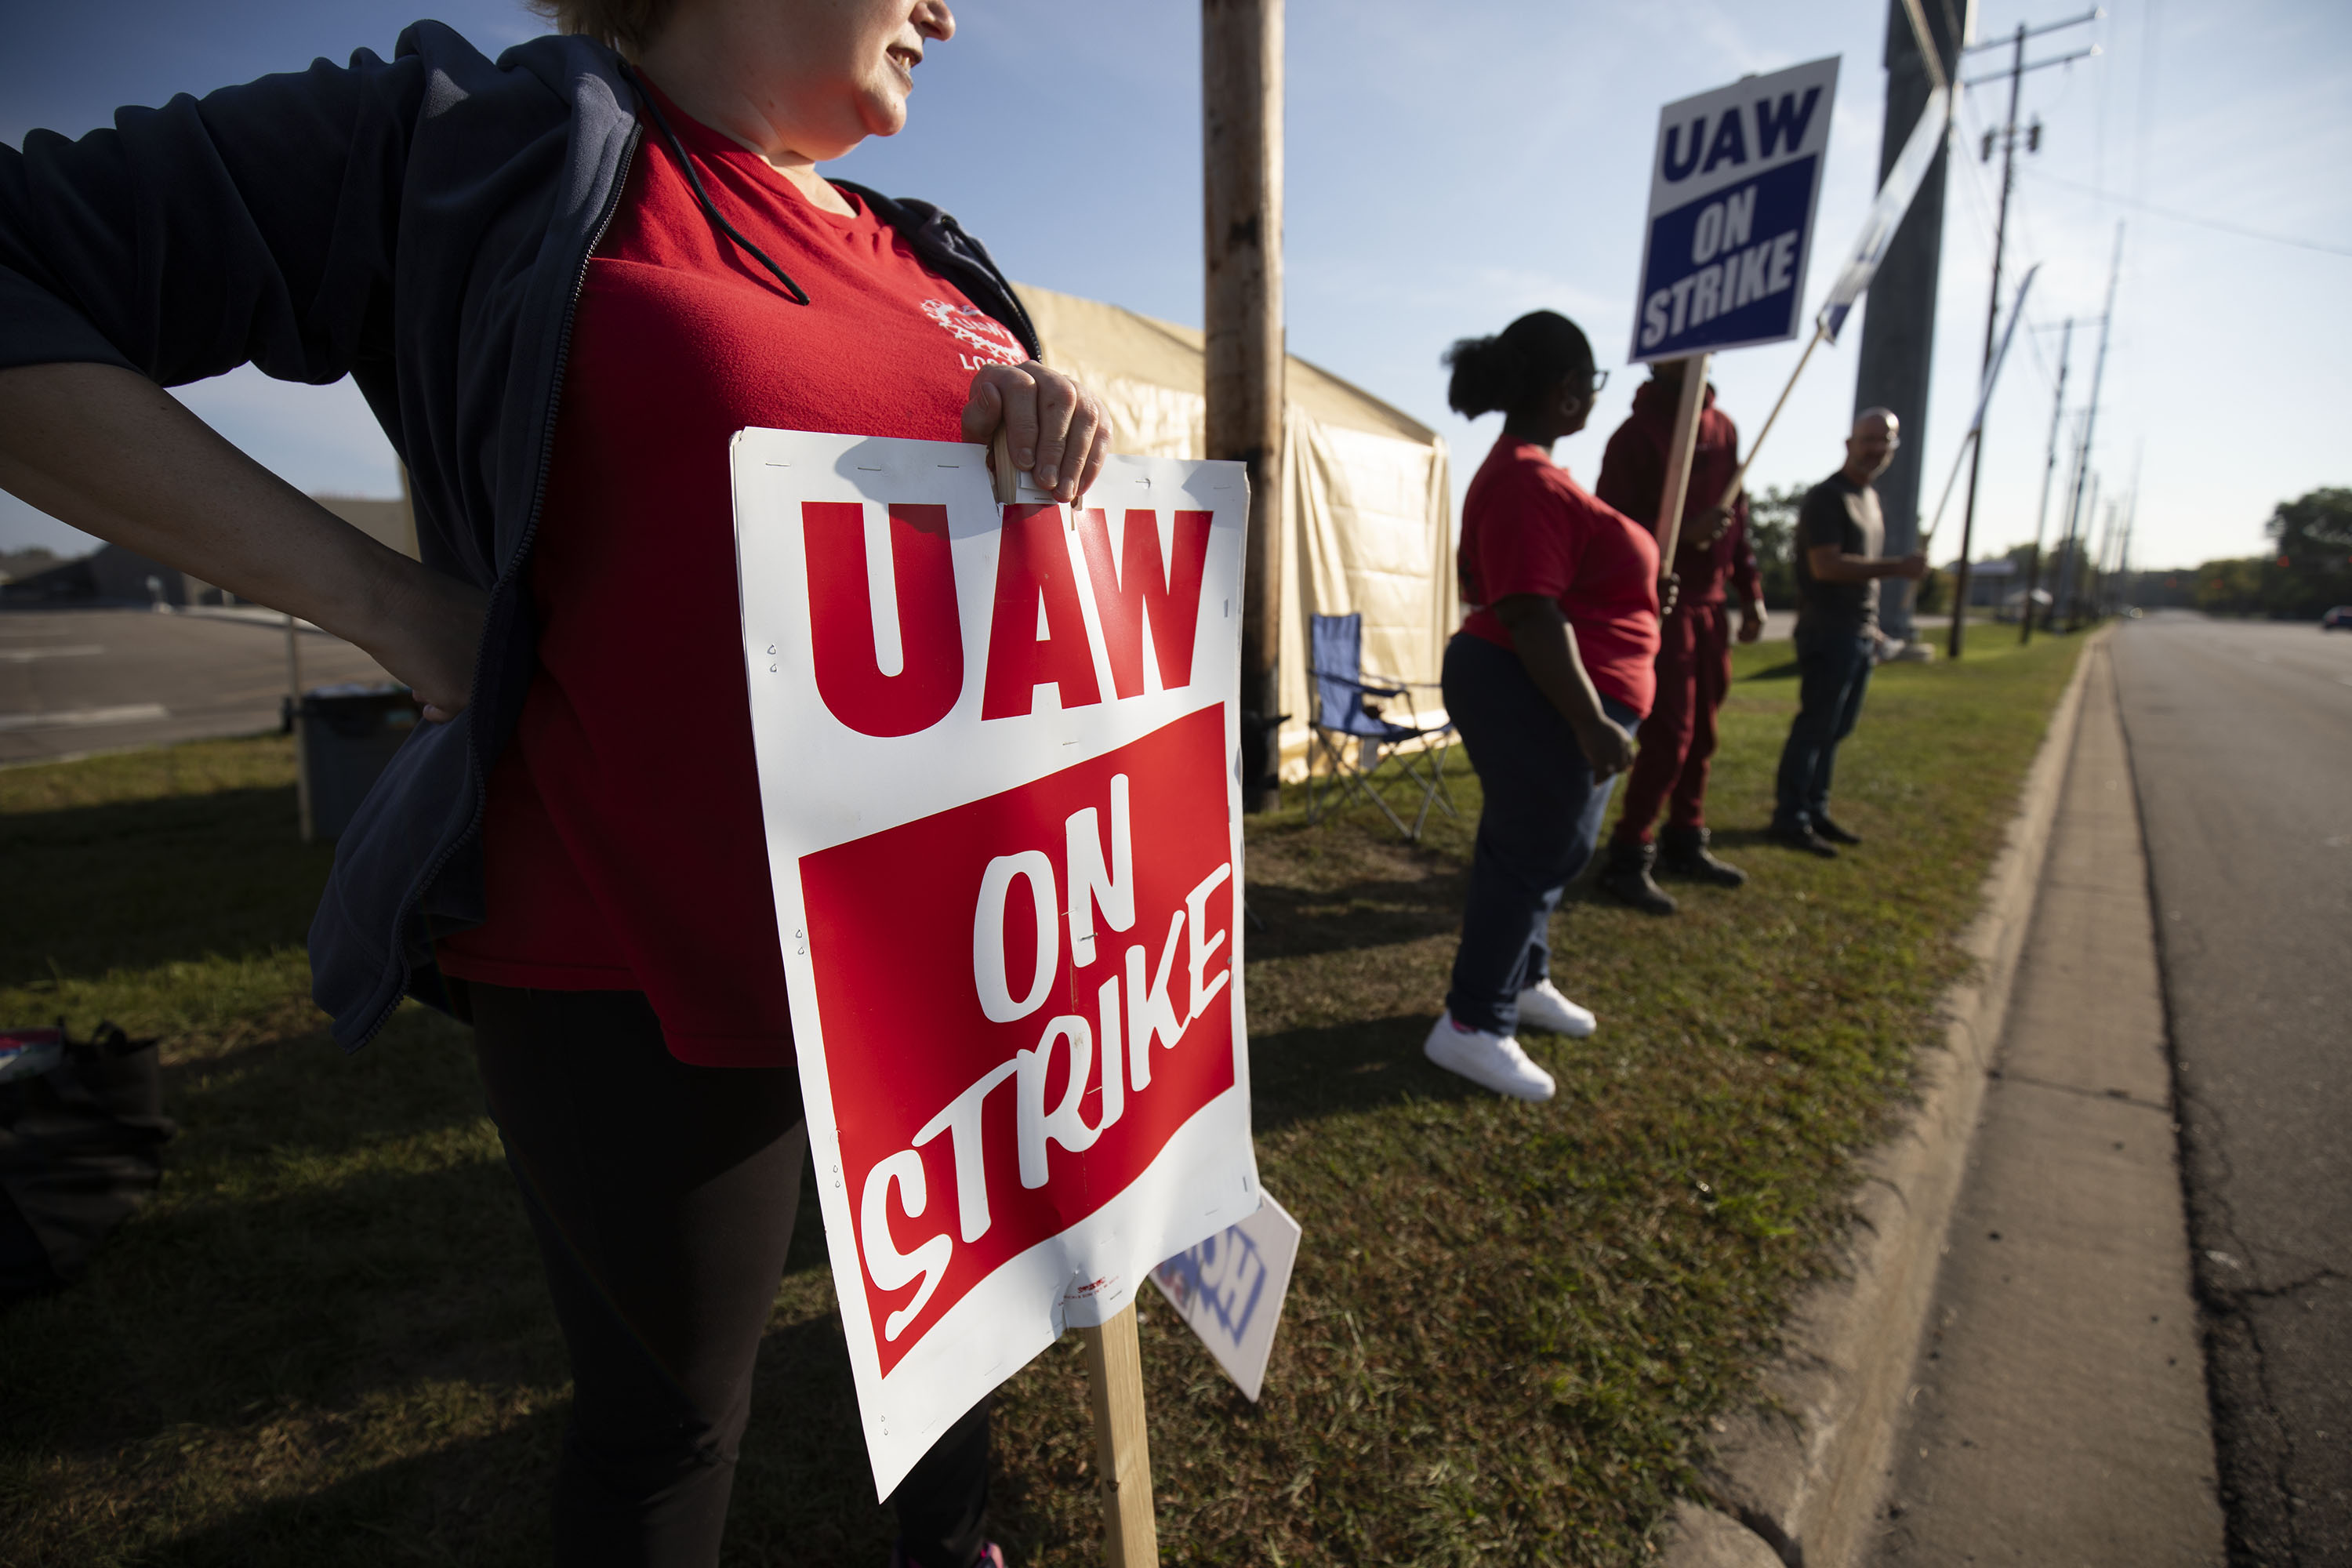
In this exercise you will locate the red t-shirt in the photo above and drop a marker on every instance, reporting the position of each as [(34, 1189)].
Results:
[(1633, 480), (622, 839), (1527, 528)]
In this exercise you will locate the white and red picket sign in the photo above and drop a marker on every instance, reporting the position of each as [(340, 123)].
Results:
[(999, 768)]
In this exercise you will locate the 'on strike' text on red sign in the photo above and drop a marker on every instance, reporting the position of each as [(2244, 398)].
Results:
[(999, 764), (1057, 1061)]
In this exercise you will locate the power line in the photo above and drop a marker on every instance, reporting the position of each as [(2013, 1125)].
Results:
[(2155, 211), (1984, 220)]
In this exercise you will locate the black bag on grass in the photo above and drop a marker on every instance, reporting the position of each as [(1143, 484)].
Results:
[(81, 1136)]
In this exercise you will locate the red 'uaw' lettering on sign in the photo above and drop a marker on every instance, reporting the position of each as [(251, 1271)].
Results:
[(1023, 1000), (1036, 636), (1137, 587), (848, 630), (888, 643)]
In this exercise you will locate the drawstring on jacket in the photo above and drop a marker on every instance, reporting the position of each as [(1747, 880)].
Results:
[(695, 180)]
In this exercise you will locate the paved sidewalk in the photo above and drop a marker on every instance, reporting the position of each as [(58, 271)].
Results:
[(2058, 1415)]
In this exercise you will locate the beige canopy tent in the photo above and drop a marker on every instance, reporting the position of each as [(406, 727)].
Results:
[(1368, 521)]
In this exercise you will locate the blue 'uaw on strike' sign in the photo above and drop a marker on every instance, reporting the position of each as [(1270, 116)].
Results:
[(1733, 184)]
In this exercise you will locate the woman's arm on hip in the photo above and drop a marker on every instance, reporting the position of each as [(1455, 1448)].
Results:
[(1546, 644), (107, 451)]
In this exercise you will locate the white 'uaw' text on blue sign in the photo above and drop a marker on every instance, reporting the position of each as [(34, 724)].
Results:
[(1734, 181)]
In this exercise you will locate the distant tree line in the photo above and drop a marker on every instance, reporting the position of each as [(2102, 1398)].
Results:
[(1772, 526), (2308, 569)]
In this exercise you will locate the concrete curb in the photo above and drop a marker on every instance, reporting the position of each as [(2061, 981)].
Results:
[(1804, 1473)]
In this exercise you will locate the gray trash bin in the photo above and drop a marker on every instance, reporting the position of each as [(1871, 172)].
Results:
[(343, 736)]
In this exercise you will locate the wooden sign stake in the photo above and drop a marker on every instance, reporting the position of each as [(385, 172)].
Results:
[(1122, 1451), (1679, 461), (1739, 477), (1114, 1356)]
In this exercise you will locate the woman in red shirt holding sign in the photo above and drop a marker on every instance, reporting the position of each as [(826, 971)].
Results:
[(1546, 680), (563, 280)]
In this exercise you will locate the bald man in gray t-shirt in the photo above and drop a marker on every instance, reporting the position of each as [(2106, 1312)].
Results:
[(1840, 533)]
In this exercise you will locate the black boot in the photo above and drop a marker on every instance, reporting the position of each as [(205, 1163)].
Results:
[(1682, 852), (1626, 878)]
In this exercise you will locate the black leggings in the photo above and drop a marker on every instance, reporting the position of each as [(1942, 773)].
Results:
[(663, 1197)]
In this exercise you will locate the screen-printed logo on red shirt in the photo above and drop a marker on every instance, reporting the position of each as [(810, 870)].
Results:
[(990, 340)]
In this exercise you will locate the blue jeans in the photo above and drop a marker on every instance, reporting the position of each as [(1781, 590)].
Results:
[(1535, 831), (1833, 666)]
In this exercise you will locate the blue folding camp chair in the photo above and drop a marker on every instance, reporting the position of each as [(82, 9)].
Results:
[(1352, 739)]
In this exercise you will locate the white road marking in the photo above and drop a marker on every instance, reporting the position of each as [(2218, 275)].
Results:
[(83, 717), (27, 655)]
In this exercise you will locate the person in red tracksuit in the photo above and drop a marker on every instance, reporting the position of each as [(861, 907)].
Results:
[(1693, 665)]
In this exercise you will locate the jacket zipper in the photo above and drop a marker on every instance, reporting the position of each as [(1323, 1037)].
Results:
[(522, 554)]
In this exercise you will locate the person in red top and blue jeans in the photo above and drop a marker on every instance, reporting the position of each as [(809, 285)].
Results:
[(1694, 640), (1546, 681), (563, 280)]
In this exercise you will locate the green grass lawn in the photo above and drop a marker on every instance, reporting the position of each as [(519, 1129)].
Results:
[(326, 1340)]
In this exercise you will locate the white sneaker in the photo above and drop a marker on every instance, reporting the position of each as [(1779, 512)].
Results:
[(1491, 1061), (1541, 1007)]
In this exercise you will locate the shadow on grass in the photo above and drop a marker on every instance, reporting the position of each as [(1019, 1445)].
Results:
[(328, 1226), (1309, 1075), (1374, 913), (339, 1254), (802, 1491), (300, 1093), (320, 1295), (480, 1501), (138, 884)]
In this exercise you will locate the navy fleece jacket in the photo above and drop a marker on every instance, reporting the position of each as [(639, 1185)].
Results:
[(421, 226)]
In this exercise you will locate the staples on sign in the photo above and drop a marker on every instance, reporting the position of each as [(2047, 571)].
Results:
[(1003, 732)]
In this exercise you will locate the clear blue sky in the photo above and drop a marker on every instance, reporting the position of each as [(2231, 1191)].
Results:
[(1452, 166)]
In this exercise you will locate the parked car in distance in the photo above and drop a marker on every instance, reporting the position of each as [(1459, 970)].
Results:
[(2338, 619)]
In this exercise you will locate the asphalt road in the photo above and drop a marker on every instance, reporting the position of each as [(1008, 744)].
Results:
[(2241, 740), (73, 681)]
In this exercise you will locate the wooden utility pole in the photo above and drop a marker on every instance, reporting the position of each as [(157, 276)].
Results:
[(2131, 525), (1992, 318), (2078, 546), (1241, 137), (2075, 520), (2061, 575), (2017, 69), (2041, 512)]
